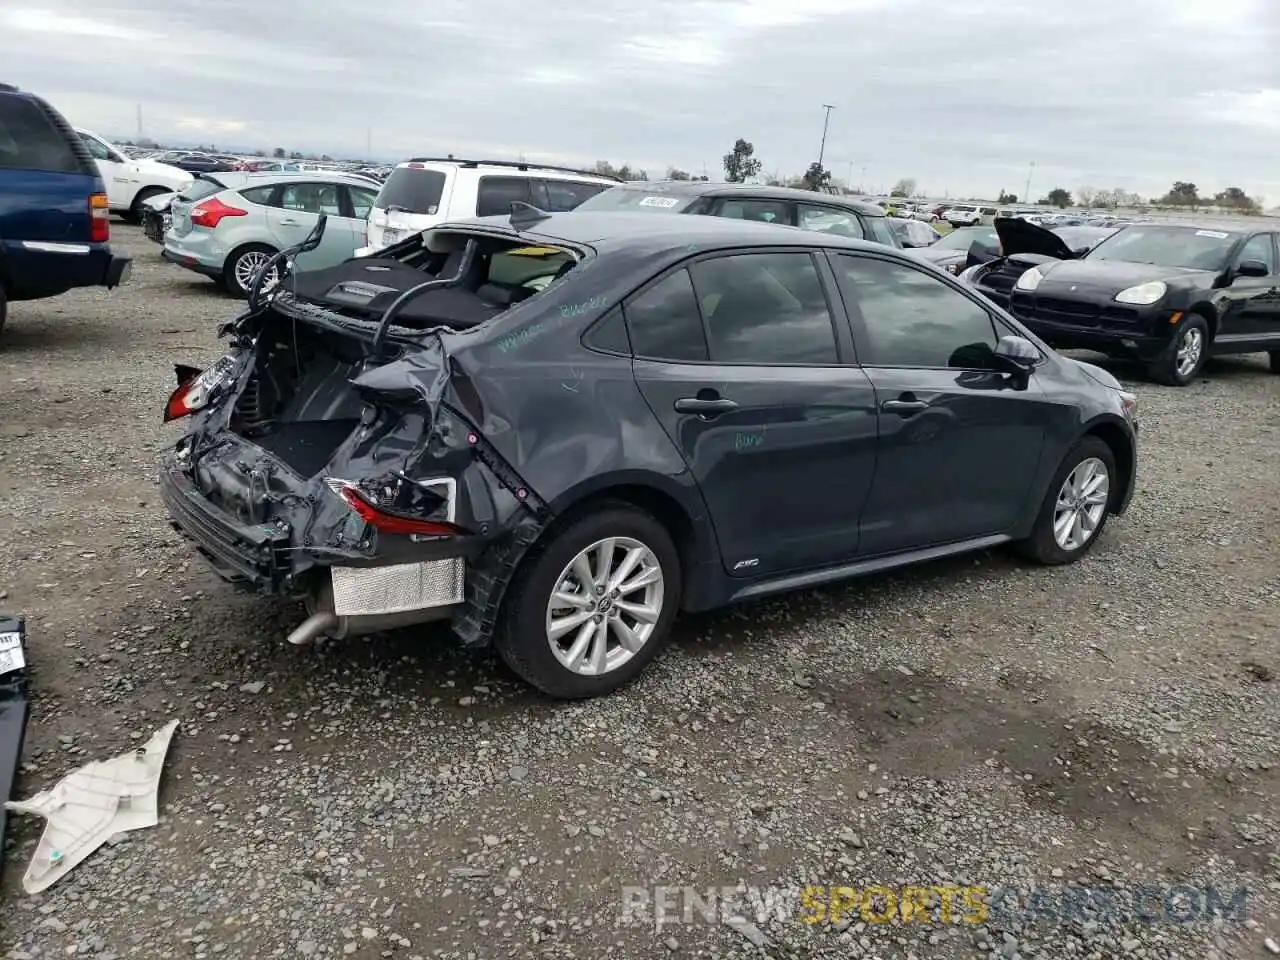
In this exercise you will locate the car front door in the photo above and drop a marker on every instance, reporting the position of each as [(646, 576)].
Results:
[(1250, 306), (361, 200), (831, 220), (747, 362), (959, 442), (295, 212), (115, 174)]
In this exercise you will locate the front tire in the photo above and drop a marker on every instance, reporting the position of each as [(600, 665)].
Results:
[(4, 308), (243, 264), (1076, 506), (134, 213), (1186, 354), (1274, 355), (588, 610)]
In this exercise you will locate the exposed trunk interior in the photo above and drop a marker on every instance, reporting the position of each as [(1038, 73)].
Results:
[(300, 405)]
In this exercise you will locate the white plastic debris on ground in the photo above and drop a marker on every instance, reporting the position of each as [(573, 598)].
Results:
[(91, 804)]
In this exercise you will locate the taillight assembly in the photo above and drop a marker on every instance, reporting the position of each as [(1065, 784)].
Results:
[(99, 218), (211, 212), (388, 521), (195, 388)]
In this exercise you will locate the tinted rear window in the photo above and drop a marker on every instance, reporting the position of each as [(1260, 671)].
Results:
[(200, 188), (412, 190), (639, 200), (30, 141)]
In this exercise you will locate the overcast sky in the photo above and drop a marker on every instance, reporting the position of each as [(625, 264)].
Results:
[(961, 95)]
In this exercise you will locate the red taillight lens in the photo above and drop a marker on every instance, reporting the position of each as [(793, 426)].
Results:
[(387, 522), (99, 219), (210, 213), (179, 404)]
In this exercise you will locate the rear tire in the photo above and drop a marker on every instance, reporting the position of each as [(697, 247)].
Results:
[(1082, 465), (4, 309), (1274, 355), (237, 273), (1186, 354), (530, 616)]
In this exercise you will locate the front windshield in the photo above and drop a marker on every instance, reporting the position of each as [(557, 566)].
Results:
[(964, 239), (1189, 247), (638, 199)]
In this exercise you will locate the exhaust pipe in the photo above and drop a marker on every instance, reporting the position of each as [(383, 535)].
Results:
[(313, 627)]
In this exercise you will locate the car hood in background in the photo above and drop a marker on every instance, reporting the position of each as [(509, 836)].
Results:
[(1018, 236), (941, 256), (168, 170), (1116, 274)]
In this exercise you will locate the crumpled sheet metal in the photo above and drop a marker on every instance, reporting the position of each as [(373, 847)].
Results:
[(91, 804)]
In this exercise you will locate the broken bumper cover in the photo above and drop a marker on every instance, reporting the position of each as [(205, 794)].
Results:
[(246, 555)]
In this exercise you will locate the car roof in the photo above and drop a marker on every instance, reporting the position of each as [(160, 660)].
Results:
[(1221, 226), (235, 179), (592, 228), (518, 166), (705, 188)]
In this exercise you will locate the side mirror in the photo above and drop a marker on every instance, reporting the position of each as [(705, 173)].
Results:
[(1252, 268), (1017, 355)]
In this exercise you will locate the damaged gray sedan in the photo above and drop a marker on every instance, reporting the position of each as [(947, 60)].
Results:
[(556, 431)]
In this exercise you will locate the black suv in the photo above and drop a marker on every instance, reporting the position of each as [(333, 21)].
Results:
[(559, 430), (1169, 294), (54, 229), (821, 212)]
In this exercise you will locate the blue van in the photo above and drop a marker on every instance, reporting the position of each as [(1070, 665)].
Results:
[(54, 227)]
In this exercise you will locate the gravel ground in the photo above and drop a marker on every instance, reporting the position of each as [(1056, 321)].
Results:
[(976, 721)]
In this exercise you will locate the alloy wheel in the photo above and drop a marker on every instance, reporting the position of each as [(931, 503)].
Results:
[(605, 606), (1081, 504), (1190, 346), (247, 267)]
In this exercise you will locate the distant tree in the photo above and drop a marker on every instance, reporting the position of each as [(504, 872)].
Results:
[(625, 172), (1058, 198), (1086, 196), (741, 165), (1234, 198), (259, 153), (816, 177), (676, 174), (1182, 194), (295, 155), (278, 153), (702, 178), (906, 187), (1007, 197)]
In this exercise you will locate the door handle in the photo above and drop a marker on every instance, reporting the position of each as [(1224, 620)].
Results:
[(706, 407), (904, 407), (289, 221)]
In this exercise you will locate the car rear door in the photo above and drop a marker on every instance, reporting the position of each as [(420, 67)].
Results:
[(300, 204), (959, 442), (761, 209), (114, 175), (746, 360)]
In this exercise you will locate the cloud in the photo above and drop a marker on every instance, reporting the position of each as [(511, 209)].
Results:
[(962, 95)]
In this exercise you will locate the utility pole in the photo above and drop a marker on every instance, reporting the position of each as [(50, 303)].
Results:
[(862, 181), (1026, 196), (368, 143), (822, 149), (139, 121)]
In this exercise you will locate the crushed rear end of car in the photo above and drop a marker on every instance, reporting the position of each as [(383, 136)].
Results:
[(329, 456)]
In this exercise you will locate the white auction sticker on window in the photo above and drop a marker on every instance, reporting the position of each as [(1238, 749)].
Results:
[(1216, 234), (664, 202), (11, 652)]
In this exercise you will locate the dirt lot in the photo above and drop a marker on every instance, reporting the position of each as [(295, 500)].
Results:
[(974, 722)]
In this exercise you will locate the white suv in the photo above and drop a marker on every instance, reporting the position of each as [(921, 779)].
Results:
[(424, 192), (129, 182), (968, 215)]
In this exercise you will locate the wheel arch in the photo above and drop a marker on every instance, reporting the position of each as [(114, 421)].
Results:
[(1209, 312), (241, 248), (1119, 441), (677, 507)]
